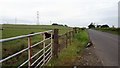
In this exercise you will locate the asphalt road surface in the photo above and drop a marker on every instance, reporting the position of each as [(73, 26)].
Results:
[(106, 46)]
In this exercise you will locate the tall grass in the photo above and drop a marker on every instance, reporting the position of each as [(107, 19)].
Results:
[(68, 55)]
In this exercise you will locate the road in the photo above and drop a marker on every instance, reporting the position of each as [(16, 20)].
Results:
[(106, 46)]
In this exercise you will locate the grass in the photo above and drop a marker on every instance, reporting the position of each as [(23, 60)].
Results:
[(16, 30), (66, 56), (69, 54), (11, 47), (110, 30)]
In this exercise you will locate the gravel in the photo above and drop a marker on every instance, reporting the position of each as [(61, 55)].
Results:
[(88, 58)]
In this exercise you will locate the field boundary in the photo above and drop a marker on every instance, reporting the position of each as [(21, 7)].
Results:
[(57, 43)]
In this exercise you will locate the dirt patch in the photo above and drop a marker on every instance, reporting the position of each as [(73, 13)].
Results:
[(88, 58)]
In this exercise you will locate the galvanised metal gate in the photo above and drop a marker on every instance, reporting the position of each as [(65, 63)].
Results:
[(46, 53)]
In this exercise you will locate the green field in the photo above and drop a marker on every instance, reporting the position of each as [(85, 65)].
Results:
[(16, 30), (110, 30), (11, 47)]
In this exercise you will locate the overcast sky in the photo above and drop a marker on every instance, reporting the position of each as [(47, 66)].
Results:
[(70, 12)]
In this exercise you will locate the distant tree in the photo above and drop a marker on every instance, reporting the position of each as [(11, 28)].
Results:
[(105, 26), (91, 26), (98, 26), (83, 28), (54, 24), (65, 25), (59, 24)]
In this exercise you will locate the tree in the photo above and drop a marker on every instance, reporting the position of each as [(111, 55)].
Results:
[(65, 25), (105, 26), (98, 26), (91, 26), (54, 24)]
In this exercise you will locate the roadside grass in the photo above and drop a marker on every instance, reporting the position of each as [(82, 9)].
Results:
[(11, 47), (110, 30), (68, 55)]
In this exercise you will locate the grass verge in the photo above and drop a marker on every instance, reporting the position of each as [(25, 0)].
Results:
[(68, 55), (115, 31)]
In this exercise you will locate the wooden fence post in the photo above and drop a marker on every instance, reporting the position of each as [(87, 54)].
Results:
[(74, 29), (29, 52), (66, 39), (79, 30), (72, 33), (44, 48), (70, 37), (51, 43), (55, 43)]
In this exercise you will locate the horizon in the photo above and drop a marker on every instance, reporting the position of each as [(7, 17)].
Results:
[(57, 25)]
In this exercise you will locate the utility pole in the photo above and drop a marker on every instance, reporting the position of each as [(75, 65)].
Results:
[(37, 17)]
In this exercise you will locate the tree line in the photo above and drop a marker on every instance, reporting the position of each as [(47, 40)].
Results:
[(92, 25), (59, 24)]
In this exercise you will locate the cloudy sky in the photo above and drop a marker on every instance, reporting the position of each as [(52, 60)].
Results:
[(71, 12)]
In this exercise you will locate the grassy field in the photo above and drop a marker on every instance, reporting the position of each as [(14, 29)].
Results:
[(110, 30), (16, 30), (68, 55), (8, 48)]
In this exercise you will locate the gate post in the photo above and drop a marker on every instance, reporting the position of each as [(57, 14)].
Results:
[(69, 37), (29, 52), (55, 43), (44, 48), (66, 39)]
